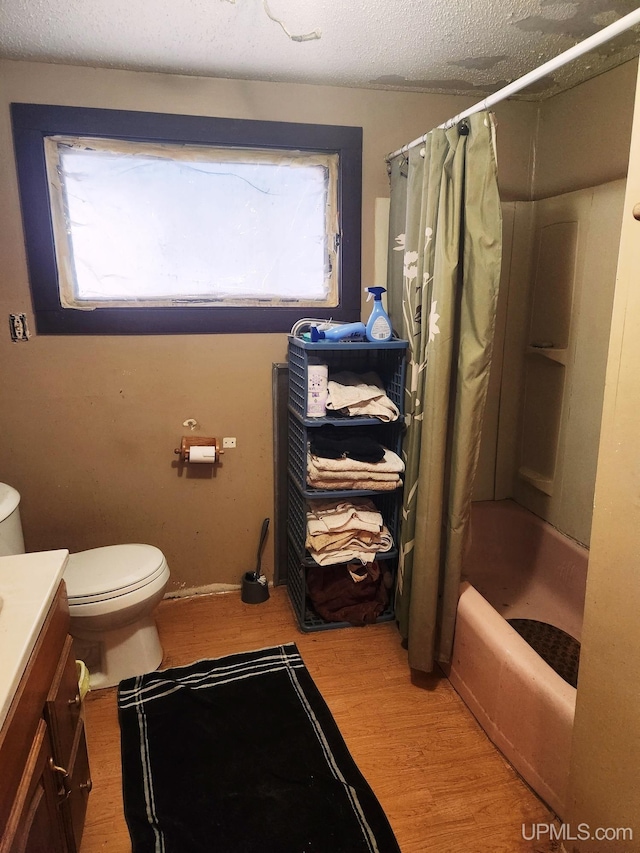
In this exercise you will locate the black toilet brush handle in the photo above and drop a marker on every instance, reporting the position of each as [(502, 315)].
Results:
[(263, 536)]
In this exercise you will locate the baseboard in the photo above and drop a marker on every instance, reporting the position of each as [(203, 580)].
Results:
[(209, 589)]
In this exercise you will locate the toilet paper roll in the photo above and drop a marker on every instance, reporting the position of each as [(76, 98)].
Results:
[(202, 454)]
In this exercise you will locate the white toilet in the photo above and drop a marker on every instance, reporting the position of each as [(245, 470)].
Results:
[(112, 592)]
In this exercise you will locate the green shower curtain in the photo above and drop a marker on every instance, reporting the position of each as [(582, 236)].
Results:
[(444, 271)]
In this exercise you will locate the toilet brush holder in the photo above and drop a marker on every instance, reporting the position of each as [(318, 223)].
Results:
[(254, 591)]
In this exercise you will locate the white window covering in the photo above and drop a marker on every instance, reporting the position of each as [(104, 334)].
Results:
[(146, 224)]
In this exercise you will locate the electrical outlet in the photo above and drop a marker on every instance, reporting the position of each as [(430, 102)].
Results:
[(18, 327), (229, 442)]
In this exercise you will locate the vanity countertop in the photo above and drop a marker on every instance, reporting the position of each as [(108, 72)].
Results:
[(28, 583)]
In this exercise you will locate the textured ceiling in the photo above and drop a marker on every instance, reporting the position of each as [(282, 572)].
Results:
[(443, 46)]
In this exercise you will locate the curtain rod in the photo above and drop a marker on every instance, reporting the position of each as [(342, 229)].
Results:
[(522, 82)]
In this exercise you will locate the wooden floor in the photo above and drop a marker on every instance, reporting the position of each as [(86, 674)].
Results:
[(443, 785)]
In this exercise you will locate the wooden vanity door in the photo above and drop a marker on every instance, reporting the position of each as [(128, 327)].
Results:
[(63, 713), (33, 826)]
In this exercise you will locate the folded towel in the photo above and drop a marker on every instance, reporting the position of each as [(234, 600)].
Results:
[(354, 514), (345, 485), (360, 396), (334, 444), (354, 550), (347, 556), (348, 473), (337, 598), (391, 463), (340, 539), (341, 531), (362, 540)]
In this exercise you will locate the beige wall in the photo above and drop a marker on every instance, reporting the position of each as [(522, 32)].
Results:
[(583, 135), (89, 424), (604, 786)]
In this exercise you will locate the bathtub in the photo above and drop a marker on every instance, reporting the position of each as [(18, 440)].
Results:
[(518, 566)]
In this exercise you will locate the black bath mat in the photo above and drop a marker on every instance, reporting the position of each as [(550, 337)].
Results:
[(241, 755), (554, 646)]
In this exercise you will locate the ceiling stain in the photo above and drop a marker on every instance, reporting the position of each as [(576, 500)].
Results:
[(587, 18), (479, 63), (597, 7), (456, 86), (452, 85)]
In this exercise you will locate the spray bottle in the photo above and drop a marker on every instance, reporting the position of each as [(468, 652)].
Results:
[(379, 325), (338, 333)]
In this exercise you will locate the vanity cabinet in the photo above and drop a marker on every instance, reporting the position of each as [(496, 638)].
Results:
[(70, 762), (43, 753), (35, 826)]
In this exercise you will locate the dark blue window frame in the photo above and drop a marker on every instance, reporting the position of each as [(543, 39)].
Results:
[(33, 122)]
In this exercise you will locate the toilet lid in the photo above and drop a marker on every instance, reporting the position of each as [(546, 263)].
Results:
[(113, 570)]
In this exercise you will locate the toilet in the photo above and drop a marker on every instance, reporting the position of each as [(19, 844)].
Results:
[(112, 592)]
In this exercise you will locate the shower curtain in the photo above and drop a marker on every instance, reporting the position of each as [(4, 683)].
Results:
[(444, 270)]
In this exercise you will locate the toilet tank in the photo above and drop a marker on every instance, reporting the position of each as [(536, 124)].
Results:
[(11, 540)]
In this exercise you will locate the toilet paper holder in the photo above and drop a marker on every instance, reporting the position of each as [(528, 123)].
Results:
[(189, 441)]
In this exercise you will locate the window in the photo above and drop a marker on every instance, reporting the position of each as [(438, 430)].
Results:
[(142, 222)]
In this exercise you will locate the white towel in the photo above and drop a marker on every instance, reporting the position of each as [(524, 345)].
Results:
[(390, 464), (349, 474), (336, 541), (369, 485), (354, 514), (360, 395), (355, 550)]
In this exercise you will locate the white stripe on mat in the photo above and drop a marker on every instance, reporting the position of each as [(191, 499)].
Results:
[(200, 681), (333, 765), (147, 780)]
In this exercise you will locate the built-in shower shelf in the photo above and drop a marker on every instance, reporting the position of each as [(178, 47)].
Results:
[(552, 353), (537, 480)]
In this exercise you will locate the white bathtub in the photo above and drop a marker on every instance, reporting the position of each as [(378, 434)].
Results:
[(518, 566)]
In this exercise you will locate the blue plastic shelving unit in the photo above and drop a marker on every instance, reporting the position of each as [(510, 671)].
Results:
[(387, 360)]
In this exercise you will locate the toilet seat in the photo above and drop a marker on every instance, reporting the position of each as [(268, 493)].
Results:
[(100, 574)]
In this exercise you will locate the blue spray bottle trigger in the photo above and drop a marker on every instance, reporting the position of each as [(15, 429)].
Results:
[(376, 292), (379, 325)]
